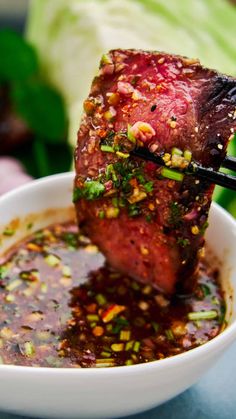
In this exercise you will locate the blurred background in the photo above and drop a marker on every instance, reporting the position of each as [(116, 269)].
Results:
[(68, 39)]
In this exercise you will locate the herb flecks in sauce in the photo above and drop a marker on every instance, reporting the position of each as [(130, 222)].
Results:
[(62, 307)]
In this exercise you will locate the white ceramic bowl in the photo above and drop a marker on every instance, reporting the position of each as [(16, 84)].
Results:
[(118, 391)]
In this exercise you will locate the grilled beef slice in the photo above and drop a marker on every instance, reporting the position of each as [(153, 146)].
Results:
[(146, 224)]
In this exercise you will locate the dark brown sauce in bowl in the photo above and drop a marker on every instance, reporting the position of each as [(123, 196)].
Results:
[(62, 306)]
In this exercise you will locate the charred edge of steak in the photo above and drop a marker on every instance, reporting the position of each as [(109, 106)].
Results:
[(224, 88), (216, 103)]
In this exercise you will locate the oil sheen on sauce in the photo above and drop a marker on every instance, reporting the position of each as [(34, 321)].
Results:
[(63, 306)]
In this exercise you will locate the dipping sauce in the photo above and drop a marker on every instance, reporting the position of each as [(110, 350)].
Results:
[(62, 306)]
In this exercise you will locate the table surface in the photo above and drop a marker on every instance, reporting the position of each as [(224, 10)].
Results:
[(213, 397)]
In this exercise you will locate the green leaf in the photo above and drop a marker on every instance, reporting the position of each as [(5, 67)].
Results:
[(18, 58), (42, 108), (41, 157)]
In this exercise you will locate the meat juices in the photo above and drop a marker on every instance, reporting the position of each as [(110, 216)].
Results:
[(149, 225)]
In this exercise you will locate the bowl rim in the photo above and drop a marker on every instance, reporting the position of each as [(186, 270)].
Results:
[(221, 340)]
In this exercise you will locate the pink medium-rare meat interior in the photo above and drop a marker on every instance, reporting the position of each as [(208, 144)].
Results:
[(150, 223)]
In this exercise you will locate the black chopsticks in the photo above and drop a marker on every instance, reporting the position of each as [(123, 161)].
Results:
[(195, 169), (229, 163)]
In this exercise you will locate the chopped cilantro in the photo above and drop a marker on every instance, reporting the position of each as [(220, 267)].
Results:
[(148, 218), (134, 210), (148, 186), (101, 214), (92, 189), (206, 290), (77, 194), (71, 239), (204, 227), (183, 242), (222, 312), (120, 322)]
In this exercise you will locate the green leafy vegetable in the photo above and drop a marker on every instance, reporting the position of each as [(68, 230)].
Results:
[(18, 58), (41, 157), (42, 108), (191, 28), (39, 105)]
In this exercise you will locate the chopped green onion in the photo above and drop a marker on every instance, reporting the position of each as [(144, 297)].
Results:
[(130, 136), (92, 317), (155, 326), (125, 335), (66, 271), (110, 172), (106, 59), (44, 287), (215, 300), (106, 362), (117, 347), (188, 155), (107, 148), (10, 298), (135, 286), (101, 300), (129, 345), (8, 232), (115, 201), (172, 174), (13, 285), (203, 315), (176, 151), (29, 349), (123, 155), (129, 362), (169, 334), (109, 327), (106, 354), (3, 272), (134, 357), (136, 346), (52, 260)]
